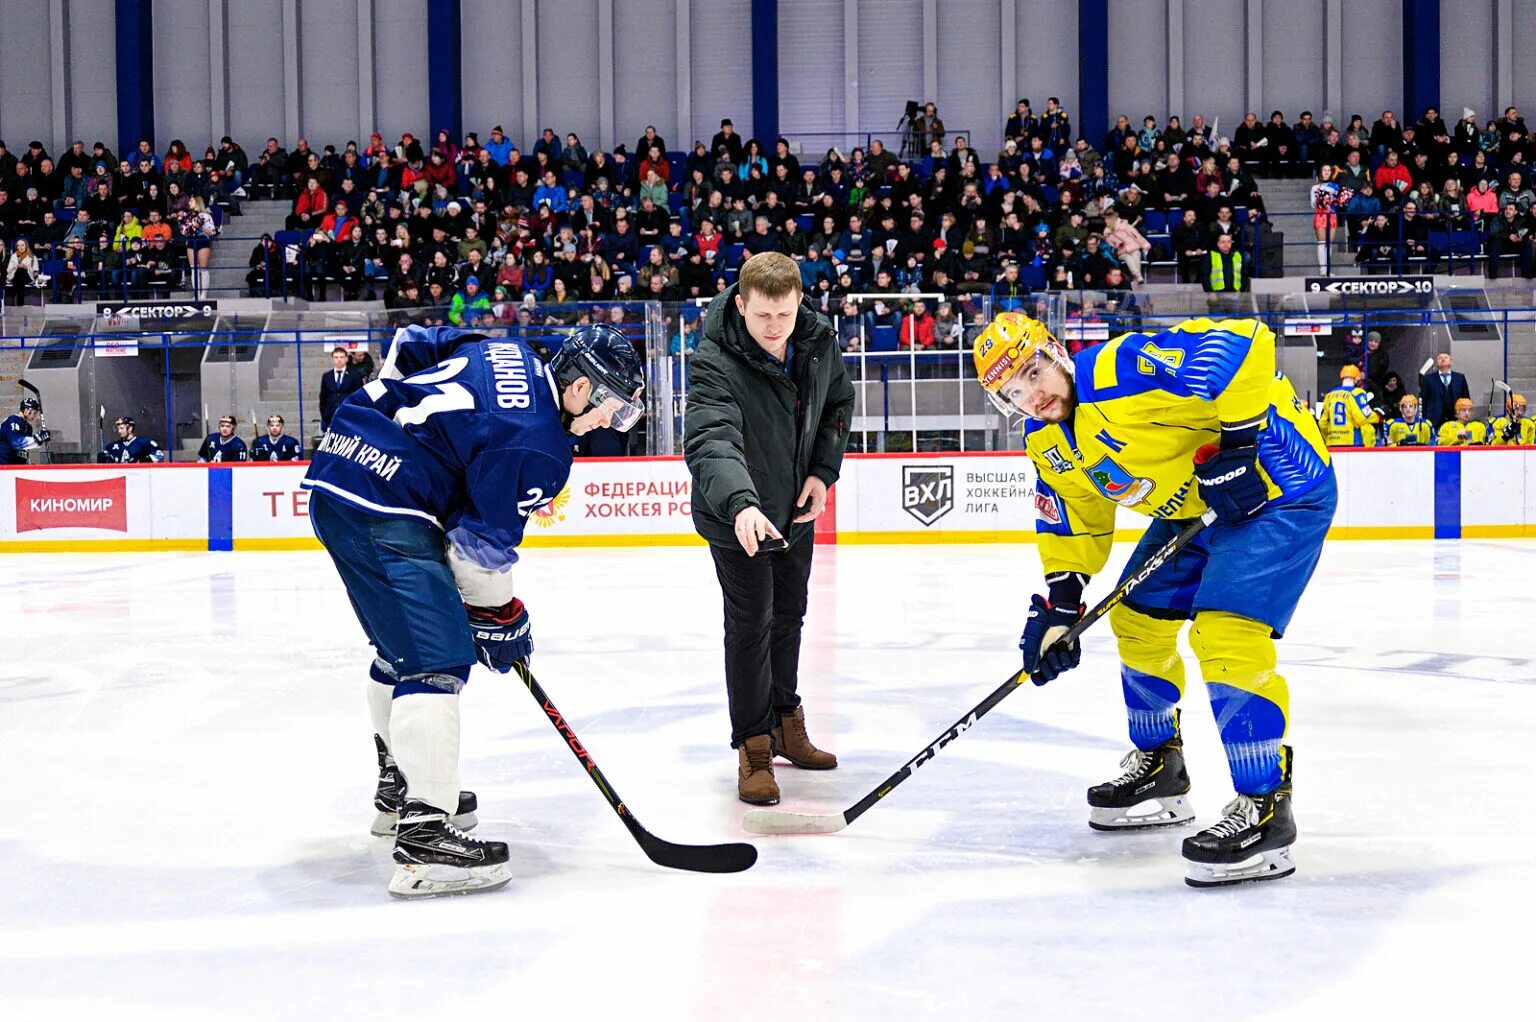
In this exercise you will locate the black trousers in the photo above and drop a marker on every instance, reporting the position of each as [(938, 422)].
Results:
[(765, 598)]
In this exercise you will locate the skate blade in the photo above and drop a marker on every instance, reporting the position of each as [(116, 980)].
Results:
[(1272, 865), (1151, 814), (384, 823), (436, 880)]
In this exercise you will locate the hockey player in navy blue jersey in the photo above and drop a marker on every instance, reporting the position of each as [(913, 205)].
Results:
[(276, 445), (420, 492), (21, 433), (130, 447), (223, 445)]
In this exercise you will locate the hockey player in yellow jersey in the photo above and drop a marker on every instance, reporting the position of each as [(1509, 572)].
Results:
[(1348, 420), (1408, 430), (1463, 431), (1513, 427), (1120, 425)]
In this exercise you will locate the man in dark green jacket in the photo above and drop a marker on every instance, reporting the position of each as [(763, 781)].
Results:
[(769, 406)]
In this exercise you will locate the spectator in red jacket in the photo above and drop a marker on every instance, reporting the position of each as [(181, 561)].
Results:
[(439, 171), (917, 328), (309, 208), (1392, 172)]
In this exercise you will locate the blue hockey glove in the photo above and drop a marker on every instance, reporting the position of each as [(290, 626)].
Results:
[(1049, 618), (1229, 481), (42, 435), (502, 635)]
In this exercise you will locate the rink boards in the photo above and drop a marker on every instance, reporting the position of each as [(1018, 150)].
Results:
[(881, 498)]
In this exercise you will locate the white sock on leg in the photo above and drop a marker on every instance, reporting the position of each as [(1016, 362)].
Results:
[(380, 696), (424, 739), (1322, 254)]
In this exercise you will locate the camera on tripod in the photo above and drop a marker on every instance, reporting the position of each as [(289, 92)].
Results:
[(911, 145)]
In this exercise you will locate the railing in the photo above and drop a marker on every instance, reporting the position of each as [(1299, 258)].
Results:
[(900, 141), (179, 377)]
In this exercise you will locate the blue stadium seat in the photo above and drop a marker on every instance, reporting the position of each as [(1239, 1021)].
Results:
[(733, 253), (1033, 276), (883, 338)]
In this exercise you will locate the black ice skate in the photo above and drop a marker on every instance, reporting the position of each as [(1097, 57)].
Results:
[(1252, 840), (386, 798), (1153, 791), (436, 858)]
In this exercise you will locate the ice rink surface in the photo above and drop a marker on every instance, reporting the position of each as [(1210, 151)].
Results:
[(188, 769)]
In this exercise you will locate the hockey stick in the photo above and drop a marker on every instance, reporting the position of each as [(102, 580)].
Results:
[(728, 858), (774, 821), (42, 414)]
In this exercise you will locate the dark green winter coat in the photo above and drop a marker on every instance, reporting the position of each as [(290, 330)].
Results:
[(753, 434)]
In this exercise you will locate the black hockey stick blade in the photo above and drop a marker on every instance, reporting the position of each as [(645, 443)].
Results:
[(774, 821), (25, 385), (725, 858)]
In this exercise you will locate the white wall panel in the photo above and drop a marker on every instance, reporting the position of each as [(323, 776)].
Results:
[(1373, 58), (1047, 56), (1294, 51), (492, 76), (890, 63), (568, 69), (25, 77), (93, 72), (970, 72), (1524, 23), (400, 70), (1214, 66), (1138, 59), (1466, 59), (720, 38), (645, 71), (328, 98), (811, 92), (256, 87), (182, 86)]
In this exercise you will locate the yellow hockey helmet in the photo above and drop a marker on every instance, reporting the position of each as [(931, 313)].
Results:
[(1517, 401), (1408, 401), (1463, 404), (1349, 371), (1010, 343)]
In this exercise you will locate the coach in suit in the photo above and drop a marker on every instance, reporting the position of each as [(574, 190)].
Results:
[(336, 385), (1440, 389)]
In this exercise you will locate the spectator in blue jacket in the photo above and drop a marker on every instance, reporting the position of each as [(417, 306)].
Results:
[(551, 192), (499, 146)]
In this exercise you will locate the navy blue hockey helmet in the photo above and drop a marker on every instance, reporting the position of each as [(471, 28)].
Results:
[(31, 404), (608, 359)]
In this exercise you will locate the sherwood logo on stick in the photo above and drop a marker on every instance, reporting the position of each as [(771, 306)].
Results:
[(93, 504)]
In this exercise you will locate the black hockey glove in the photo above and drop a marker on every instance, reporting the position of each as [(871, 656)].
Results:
[(502, 635), (1049, 618), (1511, 430), (1229, 481), (43, 435)]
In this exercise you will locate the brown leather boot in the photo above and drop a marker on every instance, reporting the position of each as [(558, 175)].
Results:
[(754, 772), (791, 742)]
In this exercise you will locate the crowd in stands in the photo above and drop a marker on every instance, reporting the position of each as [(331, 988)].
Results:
[(1418, 194), (488, 232), (141, 224)]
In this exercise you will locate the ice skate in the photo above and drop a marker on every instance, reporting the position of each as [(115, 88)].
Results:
[(435, 858), (1152, 792), (1251, 842), (386, 798)]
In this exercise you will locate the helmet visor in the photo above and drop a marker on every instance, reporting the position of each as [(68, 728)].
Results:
[(1023, 389), (625, 411)]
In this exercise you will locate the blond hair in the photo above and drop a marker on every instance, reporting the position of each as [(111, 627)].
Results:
[(770, 274)]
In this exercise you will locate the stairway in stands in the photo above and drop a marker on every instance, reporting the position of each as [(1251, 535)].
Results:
[(237, 238)]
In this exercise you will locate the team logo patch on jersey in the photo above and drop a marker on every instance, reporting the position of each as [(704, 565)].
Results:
[(927, 492), (553, 513), (1058, 462), (1117, 484)]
